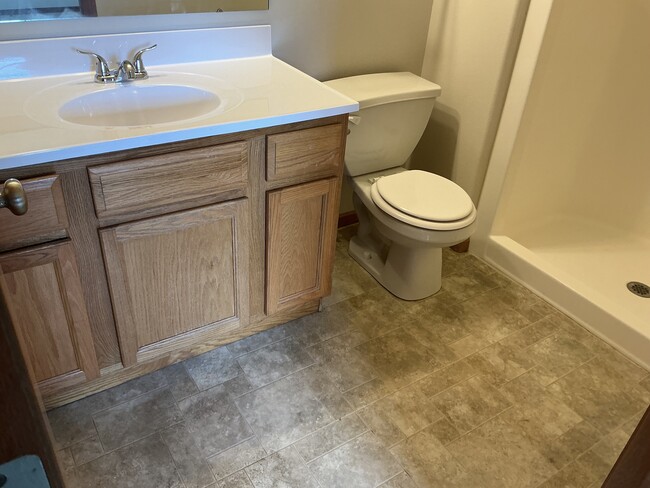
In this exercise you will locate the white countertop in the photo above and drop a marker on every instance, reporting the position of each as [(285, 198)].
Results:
[(267, 91)]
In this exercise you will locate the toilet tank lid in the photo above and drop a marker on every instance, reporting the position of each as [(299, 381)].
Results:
[(380, 88)]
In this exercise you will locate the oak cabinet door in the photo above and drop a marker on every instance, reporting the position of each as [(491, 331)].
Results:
[(301, 226), (178, 279), (42, 287)]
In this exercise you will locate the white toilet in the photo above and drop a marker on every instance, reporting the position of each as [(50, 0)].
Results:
[(405, 216)]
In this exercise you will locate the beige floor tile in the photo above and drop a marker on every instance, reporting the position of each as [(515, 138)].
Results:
[(237, 480), (470, 403), (559, 354), (531, 334), (375, 313), (400, 415), (331, 349), (645, 383), (429, 463), (214, 421), (73, 423), (349, 280), (282, 469), (283, 412), (498, 364), (595, 466), (499, 454), (444, 431), (523, 301), (440, 317), (630, 426), (367, 393), (330, 437), (87, 450), (138, 418), (600, 395), (179, 382), (236, 458), (423, 329), (571, 476), (402, 480), (377, 417), (316, 380), (362, 462), (143, 464), (398, 357), (347, 369), (610, 447), (318, 327), (445, 378), (488, 318), (274, 361), (66, 465), (556, 431), (188, 458), (529, 387), (257, 341), (212, 368), (563, 450)]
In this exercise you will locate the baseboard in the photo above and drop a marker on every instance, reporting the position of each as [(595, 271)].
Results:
[(461, 247), (348, 218)]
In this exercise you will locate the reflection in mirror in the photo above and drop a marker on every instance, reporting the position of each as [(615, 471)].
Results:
[(22, 10)]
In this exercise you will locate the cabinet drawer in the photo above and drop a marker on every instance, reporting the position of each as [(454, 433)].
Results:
[(305, 153), (46, 218), (170, 181)]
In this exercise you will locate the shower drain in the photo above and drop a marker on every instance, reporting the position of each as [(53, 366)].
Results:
[(639, 289)]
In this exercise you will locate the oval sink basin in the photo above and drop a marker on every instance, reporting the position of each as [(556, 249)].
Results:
[(133, 105)]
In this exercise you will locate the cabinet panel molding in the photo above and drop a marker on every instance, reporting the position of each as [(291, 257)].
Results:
[(180, 180), (307, 153), (301, 226), (46, 300), (46, 218), (178, 275)]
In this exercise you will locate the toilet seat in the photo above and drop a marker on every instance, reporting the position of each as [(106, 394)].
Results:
[(424, 200)]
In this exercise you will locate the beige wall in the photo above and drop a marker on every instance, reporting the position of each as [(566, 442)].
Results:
[(583, 144), (470, 52)]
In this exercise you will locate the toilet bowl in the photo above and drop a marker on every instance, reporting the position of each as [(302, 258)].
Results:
[(405, 216)]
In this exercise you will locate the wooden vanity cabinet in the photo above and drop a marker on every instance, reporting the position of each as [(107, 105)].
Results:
[(187, 246), (301, 219), (42, 287)]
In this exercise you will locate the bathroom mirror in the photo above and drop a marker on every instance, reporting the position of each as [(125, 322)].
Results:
[(23, 10)]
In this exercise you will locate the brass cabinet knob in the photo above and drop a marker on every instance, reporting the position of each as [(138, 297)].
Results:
[(13, 197)]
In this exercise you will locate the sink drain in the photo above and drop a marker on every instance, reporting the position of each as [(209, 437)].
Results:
[(639, 289)]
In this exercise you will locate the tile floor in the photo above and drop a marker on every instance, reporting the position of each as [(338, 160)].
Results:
[(483, 385)]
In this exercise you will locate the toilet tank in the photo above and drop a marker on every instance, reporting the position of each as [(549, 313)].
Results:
[(394, 109)]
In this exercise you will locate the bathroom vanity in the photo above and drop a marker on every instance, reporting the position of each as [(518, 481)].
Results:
[(147, 244)]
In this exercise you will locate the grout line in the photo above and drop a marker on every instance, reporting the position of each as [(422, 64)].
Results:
[(254, 436), (166, 385), (178, 474)]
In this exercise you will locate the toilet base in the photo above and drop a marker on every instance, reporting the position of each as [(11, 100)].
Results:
[(408, 273)]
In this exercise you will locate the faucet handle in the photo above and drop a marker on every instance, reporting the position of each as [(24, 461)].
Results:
[(103, 72), (137, 61)]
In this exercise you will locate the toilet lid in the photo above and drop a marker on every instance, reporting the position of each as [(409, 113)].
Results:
[(425, 196)]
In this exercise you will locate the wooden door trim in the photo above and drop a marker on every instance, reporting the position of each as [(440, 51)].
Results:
[(22, 420), (632, 469)]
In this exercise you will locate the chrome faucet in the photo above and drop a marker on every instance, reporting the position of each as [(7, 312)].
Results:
[(126, 71)]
